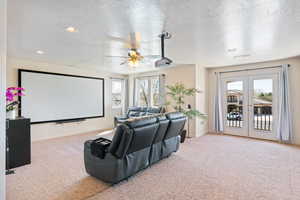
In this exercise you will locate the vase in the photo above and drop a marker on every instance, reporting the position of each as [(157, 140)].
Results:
[(11, 114)]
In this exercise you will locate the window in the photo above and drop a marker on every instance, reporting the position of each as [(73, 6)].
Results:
[(155, 91), (118, 93), (147, 91), (143, 92)]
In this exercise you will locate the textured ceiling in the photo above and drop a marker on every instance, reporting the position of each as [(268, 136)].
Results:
[(206, 32)]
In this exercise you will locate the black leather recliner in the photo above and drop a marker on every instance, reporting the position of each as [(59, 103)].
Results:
[(167, 138), (137, 112), (172, 138), (135, 145), (156, 150)]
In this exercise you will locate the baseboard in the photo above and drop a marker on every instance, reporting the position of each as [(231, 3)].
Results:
[(68, 135)]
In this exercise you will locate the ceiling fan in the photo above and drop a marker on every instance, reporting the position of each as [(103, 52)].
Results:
[(134, 57)]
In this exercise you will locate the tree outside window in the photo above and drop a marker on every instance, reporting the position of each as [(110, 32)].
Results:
[(143, 93)]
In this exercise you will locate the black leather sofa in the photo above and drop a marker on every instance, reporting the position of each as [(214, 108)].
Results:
[(137, 112), (136, 145)]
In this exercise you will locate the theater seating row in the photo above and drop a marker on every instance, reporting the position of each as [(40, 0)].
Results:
[(136, 145)]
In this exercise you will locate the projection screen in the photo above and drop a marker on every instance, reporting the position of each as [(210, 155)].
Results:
[(52, 97)]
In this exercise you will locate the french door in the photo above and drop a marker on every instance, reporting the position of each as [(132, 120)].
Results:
[(250, 103)]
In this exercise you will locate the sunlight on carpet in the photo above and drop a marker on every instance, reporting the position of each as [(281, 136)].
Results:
[(84, 189)]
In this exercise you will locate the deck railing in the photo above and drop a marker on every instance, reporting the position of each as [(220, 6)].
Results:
[(235, 123), (262, 121)]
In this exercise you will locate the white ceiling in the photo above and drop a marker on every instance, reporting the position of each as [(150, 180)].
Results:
[(206, 32)]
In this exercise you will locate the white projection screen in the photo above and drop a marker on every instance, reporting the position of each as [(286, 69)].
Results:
[(51, 97)]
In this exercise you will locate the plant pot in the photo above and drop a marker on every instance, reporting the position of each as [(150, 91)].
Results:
[(182, 136), (11, 114)]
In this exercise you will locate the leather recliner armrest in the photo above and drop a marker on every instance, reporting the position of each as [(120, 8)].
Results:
[(120, 119), (121, 141), (87, 144), (98, 147)]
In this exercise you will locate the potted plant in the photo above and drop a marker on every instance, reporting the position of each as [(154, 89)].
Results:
[(11, 103), (178, 92)]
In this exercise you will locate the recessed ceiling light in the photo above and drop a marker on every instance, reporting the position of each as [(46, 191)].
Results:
[(40, 52), (71, 29)]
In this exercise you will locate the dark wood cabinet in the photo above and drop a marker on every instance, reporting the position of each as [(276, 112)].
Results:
[(18, 142)]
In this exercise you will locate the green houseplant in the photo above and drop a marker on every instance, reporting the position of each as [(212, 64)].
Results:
[(178, 93)]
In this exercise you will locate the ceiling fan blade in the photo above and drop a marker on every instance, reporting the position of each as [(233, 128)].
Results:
[(118, 39), (132, 40), (123, 63), (135, 40), (116, 56), (125, 42), (152, 56), (145, 61)]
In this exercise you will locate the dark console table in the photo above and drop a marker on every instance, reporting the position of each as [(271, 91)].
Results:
[(18, 142)]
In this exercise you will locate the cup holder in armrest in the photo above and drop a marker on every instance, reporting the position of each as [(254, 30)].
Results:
[(99, 147)]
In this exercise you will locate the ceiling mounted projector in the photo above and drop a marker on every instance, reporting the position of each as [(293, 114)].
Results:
[(164, 61)]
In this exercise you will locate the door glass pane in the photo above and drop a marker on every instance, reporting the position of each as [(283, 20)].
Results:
[(262, 104), (235, 96)]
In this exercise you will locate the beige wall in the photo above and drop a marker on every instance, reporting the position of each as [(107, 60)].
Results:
[(201, 126), (51, 130), (294, 72), (2, 95), (191, 76)]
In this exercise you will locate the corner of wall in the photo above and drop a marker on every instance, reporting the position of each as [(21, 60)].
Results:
[(201, 81), (3, 53)]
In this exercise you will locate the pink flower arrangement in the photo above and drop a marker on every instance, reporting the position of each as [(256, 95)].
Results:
[(11, 93)]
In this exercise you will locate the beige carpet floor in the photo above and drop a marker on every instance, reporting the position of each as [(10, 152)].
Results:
[(213, 167), (217, 167), (56, 173)]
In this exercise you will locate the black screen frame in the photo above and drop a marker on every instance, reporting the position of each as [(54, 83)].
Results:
[(59, 74)]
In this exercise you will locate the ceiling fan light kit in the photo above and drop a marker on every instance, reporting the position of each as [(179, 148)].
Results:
[(134, 57)]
